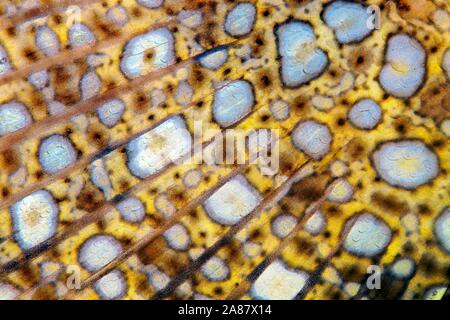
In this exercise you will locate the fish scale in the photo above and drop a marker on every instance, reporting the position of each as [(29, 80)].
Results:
[(378, 192)]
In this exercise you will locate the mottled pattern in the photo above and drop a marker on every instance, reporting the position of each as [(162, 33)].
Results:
[(98, 107)]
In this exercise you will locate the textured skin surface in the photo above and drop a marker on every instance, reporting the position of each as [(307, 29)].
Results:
[(136, 256)]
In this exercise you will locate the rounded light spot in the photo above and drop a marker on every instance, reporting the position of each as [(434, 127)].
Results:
[(157, 279), (301, 59), (190, 18), (233, 201), (148, 52), (7, 291), (13, 116), (192, 178), (47, 41), (35, 219), (215, 269), (365, 114), (90, 85), (312, 138), (316, 223), (348, 20), (368, 235), (278, 282), (98, 251), (406, 164), (152, 151), (445, 127), (132, 210), (233, 101), (403, 268), (283, 224), (404, 71), (178, 237), (184, 93), (151, 4), (80, 35), (279, 110), (111, 112), (342, 191), (442, 229), (446, 62), (56, 153), (111, 286), (214, 59), (240, 20), (118, 15), (39, 79)]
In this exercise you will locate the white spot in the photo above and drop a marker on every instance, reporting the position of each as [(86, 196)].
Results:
[(301, 59), (5, 65), (214, 59), (406, 164), (342, 191), (278, 282), (13, 116), (365, 114), (183, 95), (178, 237), (118, 15), (240, 20), (80, 35), (233, 101), (316, 223), (8, 292), (158, 43), (190, 18), (111, 112), (47, 41), (99, 176), (322, 103), (403, 268), (164, 206), (56, 153), (446, 62), (157, 98), (312, 138), (152, 151), (368, 236), (233, 201), (132, 210), (348, 20), (111, 286), (157, 279), (215, 269), (445, 127), (39, 79), (193, 178), (35, 219), (151, 4), (283, 224), (404, 71), (442, 229), (252, 249), (90, 85), (98, 251), (279, 110)]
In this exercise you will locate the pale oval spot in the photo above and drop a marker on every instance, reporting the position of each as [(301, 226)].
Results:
[(184, 93), (56, 153), (368, 235), (190, 18), (132, 210), (80, 35), (35, 219), (316, 223), (446, 62), (7, 291), (312, 138), (442, 229), (111, 286), (193, 178), (39, 79), (13, 117), (278, 282), (215, 269), (100, 177), (240, 20), (117, 15), (233, 101), (233, 201), (403, 268), (152, 151), (404, 69), (90, 85), (47, 41), (214, 59), (156, 278), (365, 114), (283, 224), (148, 52), (97, 251), (301, 59), (111, 112), (178, 237), (341, 192), (406, 164), (280, 110), (349, 21), (151, 4)]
